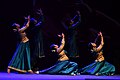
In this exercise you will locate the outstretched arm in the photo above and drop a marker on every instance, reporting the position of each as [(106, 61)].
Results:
[(79, 20), (77, 15), (26, 25), (62, 43), (39, 12), (102, 42), (41, 17)]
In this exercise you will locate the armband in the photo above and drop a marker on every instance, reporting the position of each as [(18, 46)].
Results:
[(52, 50)]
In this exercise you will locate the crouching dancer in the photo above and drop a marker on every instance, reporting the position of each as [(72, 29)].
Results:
[(63, 65)]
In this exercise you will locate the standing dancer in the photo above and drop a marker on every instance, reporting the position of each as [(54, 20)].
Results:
[(71, 27), (21, 60), (37, 44), (100, 66), (37, 39)]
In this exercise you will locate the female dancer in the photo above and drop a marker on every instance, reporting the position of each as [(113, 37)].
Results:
[(36, 40), (71, 27), (63, 65), (21, 60), (100, 66)]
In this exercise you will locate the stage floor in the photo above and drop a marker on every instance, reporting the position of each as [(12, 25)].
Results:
[(16, 76)]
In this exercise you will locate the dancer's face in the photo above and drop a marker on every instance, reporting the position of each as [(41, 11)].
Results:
[(55, 46)]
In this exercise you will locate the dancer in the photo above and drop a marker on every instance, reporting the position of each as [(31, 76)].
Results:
[(21, 60), (38, 21), (71, 27), (100, 66), (37, 47), (63, 65)]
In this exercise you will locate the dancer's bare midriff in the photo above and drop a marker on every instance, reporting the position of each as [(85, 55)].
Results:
[(24, 37)]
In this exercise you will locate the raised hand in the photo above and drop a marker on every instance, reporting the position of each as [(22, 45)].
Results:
[(27, 18), (62, 35), (39, 12), (100, 34), (78, 12), (59, 35)]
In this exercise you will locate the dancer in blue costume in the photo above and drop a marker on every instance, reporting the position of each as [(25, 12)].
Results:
[(63, 65), (36, 40), (21, 60), (71, 26), (100, 66), (38, 20)]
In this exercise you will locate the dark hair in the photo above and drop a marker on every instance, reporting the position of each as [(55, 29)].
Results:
[(13, 25), (52, 47), (90, 45)]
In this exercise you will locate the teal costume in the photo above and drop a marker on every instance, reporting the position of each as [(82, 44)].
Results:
[(38, 50), (36, 40), (72, 33), (98, 68), (61, 67), (21, 59)]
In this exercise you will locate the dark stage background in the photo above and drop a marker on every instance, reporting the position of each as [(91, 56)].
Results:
[(97, 15)]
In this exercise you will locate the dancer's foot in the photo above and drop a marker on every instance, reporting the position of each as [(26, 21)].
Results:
[(8, 70), (73, 74), (36, 72), (30, 71)]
